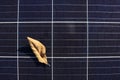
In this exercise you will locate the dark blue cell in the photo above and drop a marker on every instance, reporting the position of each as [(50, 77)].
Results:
[(8, 10), (38, 10)]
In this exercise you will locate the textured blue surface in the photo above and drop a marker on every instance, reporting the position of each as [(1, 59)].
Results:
[(69, 39)]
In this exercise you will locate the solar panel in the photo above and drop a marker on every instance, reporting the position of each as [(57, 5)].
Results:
[(81, 37)]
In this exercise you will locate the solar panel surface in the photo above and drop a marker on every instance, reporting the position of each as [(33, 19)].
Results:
[(81, 36)]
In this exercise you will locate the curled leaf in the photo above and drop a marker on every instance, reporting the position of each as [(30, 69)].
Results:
[(38, 49)]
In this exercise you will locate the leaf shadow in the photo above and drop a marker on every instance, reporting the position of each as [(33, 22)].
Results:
[(28, 51)]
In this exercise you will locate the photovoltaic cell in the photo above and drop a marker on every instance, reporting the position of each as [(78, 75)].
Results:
[(69, 10), (8, 10), (8, 40), (32, 69), (69, 69), (104, 39), (70, 40), (38, 10), (104, 10), (8, 70), (104, 69), (41, 32)]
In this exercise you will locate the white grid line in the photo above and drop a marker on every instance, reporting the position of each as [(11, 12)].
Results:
[(87, 63), (65, 19), (52, 40), (100, 32), (67, 4), (74, 39), (69, 60), (42, 22), (109, 12), (90, 57), (106, 46), (61, 75), (18, 40), (105, 5), (115, 67)]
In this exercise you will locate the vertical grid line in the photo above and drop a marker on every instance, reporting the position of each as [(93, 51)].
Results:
[(52, 40), (18, 39), (87, 64)]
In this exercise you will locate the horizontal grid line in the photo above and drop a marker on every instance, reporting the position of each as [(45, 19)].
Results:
[(108, 32), (66, 61), (99, 22), (67, 4), (76, 19), (67, 68), (57, 18), (62, 74), (106, 5), (70, 53), (60, 11), (106, 46), (73, 39), (63, 57)]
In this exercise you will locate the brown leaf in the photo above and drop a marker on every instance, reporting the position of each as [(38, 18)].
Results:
[(38, 49)]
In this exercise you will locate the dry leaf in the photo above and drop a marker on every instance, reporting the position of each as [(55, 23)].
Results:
[(39, 50)]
